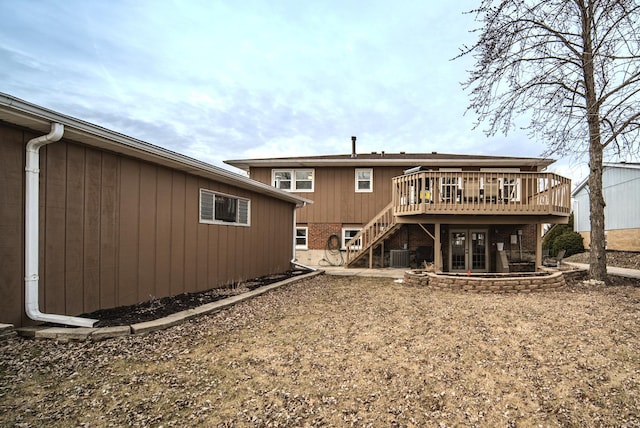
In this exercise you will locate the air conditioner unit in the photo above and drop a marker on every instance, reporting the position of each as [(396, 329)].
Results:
[(399, 258)]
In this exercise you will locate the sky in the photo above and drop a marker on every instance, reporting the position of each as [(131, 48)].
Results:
[(220, 80)]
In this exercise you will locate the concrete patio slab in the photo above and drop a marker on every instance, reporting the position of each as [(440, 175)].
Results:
[(381, 273)]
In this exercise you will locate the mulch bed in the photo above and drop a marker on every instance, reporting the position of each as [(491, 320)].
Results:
[(158, 308)]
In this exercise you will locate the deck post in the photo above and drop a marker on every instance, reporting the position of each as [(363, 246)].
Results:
[(538, 245), (549, 194), (437, 249)]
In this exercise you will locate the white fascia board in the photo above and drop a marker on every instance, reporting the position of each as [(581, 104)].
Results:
[(621, 165), (579, 187)]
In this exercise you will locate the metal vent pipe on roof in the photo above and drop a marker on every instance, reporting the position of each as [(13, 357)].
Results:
[(353, 147), (32, 230)]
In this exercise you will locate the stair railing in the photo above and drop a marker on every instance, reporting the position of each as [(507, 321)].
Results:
[(371, 233)]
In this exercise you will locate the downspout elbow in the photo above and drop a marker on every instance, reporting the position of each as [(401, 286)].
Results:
[(32, 161), (57, 130)]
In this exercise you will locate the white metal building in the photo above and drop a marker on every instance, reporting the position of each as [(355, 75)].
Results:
[(621, 187)]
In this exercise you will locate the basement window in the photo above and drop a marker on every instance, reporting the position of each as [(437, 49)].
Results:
[(219, 208), (347, 234), (302, 241)]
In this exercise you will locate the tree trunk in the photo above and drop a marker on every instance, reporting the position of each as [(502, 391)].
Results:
[(598, 255)]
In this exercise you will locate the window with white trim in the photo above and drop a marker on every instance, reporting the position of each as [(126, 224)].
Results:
[(511, 189), (364, 179), (450, 184), (293, 180), (219, 208), (302, 234), (449, 187), (347, 234), (508, 182)]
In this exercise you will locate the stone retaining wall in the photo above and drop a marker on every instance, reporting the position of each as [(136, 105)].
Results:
[(491, 283)]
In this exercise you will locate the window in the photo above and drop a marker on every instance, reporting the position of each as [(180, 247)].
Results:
[(218, 208), (508, 183), (301, 238), (450, 184), (511, 189), (364, 180), (293, 180), (449, 189), (282, 180), (347, 234)]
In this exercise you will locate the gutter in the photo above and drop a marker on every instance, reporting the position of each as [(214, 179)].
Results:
[(31, 233)]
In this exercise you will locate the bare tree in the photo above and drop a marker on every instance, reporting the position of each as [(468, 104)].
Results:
[(571, 68)]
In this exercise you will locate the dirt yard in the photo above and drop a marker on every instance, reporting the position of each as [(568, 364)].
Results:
[(347, 351)]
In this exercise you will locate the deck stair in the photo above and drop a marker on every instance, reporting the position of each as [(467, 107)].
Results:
[(371, 236)]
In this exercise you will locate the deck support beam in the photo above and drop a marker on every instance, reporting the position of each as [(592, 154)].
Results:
[(426, 231)]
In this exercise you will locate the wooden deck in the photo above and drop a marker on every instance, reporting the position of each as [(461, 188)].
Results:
[(481, 193), (440, 197)]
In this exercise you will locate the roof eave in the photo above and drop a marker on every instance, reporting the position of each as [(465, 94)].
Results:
[(580, 186), (585, 181), (621, 165), (245, 165), (28, 115)]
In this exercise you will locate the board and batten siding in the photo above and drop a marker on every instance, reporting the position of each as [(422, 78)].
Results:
[(117, 231), (334, 197)]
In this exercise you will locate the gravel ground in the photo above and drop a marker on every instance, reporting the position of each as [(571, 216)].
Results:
[(348, 351)]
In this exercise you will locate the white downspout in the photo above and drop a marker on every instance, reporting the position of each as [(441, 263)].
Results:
[(293, 257), (31, 233)]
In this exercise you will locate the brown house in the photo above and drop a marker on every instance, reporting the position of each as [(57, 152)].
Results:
[(408, 209), (101, 220)]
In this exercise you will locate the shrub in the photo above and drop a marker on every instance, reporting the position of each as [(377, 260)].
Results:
[(569, 241), (555, 232)]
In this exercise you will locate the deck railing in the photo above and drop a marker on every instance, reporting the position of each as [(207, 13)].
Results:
[(481, 193)]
